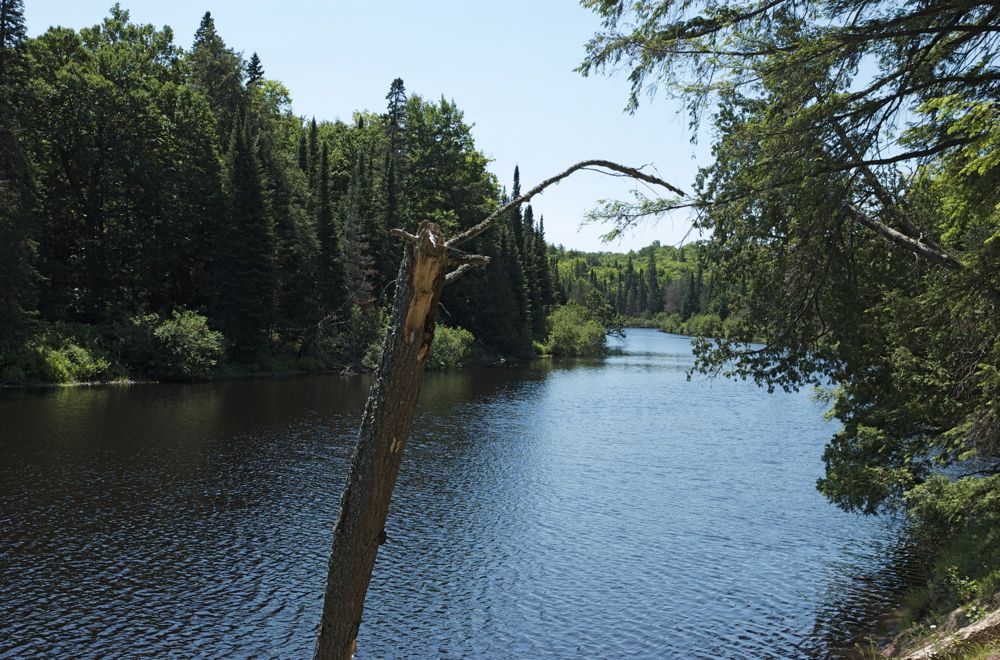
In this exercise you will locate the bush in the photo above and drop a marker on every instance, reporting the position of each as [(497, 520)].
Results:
[(575, 332), (181, 347), (68, 363), (58, 353), (452, 348)]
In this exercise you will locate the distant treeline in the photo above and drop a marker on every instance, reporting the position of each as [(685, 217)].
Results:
[(659, 286)]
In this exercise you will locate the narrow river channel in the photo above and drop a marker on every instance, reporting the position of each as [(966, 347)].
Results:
[(600, 508)]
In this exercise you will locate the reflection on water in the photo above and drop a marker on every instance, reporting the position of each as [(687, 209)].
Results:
[(594, 508)]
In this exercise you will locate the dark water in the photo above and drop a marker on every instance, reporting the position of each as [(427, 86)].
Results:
[(595, 509)]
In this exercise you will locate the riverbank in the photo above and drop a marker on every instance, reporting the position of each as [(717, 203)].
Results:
[(956, 637)]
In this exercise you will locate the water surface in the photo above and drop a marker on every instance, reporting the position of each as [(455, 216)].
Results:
[(582, 509)]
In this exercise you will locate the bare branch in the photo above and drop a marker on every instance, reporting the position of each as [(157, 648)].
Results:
[(407, 238), (931, 253), (494, 217), (465, 268)]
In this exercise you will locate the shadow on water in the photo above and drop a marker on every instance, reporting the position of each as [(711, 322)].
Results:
[(566, 508)]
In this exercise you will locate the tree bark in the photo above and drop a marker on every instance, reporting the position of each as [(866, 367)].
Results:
[(385, 426)]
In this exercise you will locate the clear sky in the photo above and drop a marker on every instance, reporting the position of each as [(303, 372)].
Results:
[(508, 65)]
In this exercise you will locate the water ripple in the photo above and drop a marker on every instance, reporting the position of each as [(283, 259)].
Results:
[(603, 509)]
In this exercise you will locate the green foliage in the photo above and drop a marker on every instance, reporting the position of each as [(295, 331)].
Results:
[(575, 332), (180, 347), (60, 353), (452, 348), (698, 325), (189, 349), (138, 178)]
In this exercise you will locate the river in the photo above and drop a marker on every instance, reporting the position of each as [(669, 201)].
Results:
[(593, 508)]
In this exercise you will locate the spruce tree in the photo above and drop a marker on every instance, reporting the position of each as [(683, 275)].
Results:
[(655, 296), (248, 277), (303, 154), (545, 285), (331, 268), (13, 33), (17, 192), (17, 247), (255, 71), (313, 153), (360, 268), (217, 72), (516, 218)]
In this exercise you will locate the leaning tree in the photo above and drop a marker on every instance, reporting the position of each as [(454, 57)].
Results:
[(430, 262)]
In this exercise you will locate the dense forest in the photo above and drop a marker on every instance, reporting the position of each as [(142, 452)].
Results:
[(166, 212)]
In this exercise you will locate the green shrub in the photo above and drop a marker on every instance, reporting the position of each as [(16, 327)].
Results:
[(574, 332), (181, 347), (189, 349), (452, 348), (59, 353)]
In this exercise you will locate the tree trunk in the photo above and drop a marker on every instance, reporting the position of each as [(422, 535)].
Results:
[(386, 421), (384, 429)]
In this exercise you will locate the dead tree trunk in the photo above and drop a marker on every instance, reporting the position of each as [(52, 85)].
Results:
[(385, 425), (384, 429)]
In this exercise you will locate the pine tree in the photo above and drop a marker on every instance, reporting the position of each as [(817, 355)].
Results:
[(255, 71), (17, 192), (217, 72), (393, 176), (331, 268), (655, 298), (313, 153), (248, 279), (303, 154), (13, 33), (545, 285), (359, 263), (515, 220), (17, 248)]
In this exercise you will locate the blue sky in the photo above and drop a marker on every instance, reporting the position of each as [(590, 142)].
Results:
[(509, 66)]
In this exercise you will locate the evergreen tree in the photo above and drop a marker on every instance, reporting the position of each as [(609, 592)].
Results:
[(17, 193), (13, 68), (313, 153), (359, 264), (331, 269), (303, 153), (542, 268), (17, 247), (248, 280), (255, 71), (393, 176), (516, 220), (217, 72), (655, 295)]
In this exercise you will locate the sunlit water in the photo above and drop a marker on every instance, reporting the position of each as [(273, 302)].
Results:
[(588, 509)]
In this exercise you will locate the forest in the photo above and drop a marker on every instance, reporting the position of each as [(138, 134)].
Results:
[(186, 223), (166, 216)]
